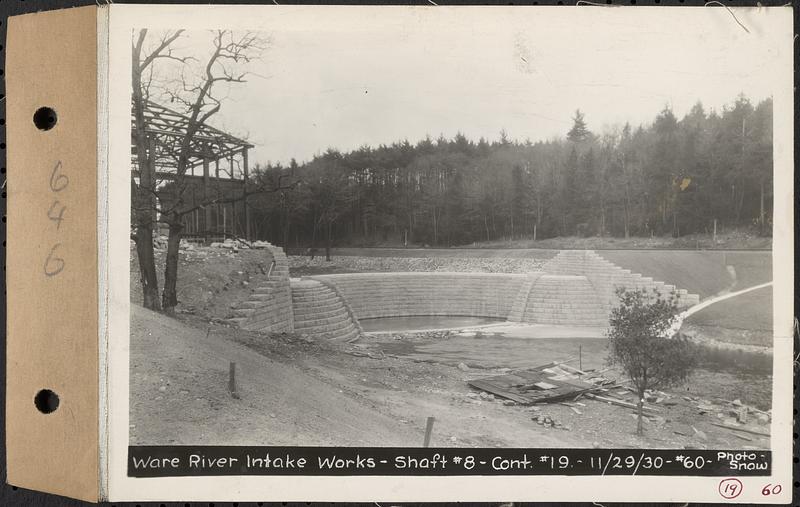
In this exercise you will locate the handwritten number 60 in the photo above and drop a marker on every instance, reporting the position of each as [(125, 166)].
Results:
[(774, 490)]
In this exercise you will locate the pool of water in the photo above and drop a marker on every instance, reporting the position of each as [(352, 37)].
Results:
[(383, 324)]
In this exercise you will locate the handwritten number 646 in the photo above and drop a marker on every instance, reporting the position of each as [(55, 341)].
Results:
[(54, 264)]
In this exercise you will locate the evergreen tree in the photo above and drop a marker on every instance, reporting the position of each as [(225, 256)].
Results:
[(579, 131)]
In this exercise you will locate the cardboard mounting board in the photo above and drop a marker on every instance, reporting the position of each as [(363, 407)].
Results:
[(52, 328), (69, 277)]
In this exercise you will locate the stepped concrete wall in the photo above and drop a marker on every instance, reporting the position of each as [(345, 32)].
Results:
[(372, 295), (564, 299), (269, 308), (574, 288), (606, 276), (520, 304), (321, 312)]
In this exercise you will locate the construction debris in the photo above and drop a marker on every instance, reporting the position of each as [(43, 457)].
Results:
[(562, 384), (620, 403), (548, 422), (549, 383)]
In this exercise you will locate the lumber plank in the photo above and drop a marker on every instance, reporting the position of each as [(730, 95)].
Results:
[(489, 387), (735, 428), (620, 403)]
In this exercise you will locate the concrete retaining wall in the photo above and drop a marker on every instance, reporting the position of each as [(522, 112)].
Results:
[(321, 312), (269, 308), (372, 295), (575, 287), (565, 300)]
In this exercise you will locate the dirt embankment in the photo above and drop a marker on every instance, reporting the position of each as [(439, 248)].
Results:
[(296, 392), (179, 391), (211, 281)]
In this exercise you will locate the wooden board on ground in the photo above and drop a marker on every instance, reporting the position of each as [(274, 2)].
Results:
[(546, 384)]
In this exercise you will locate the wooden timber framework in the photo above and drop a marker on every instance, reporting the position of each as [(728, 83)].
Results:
[(226, 182)]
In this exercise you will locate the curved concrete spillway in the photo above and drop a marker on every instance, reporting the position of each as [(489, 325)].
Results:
[(373, 295), (536, 298), (575, 288)]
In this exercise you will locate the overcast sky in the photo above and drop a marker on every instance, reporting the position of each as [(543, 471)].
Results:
[(371, 83)]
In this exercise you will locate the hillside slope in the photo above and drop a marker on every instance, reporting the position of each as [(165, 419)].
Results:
[(179, 396)]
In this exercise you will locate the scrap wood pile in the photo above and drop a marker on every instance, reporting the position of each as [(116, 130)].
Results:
[(560, 383), (550, 383)]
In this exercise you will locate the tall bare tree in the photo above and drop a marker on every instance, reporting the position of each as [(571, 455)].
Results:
[(197, 87), (143, 188)]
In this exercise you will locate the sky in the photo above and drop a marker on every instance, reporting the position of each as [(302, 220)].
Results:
[(367, 82)]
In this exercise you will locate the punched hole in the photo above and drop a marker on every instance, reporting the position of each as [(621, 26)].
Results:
[(46, 401), (45, 118)]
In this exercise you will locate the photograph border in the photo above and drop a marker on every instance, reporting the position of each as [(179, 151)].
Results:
[(121, 21)]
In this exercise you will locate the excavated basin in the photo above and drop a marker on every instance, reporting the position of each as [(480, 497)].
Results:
[(422, 322)]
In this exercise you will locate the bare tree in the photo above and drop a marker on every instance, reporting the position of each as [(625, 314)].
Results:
[(143, 188), (199, 95)]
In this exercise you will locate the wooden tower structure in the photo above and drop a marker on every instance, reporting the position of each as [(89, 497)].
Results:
[(212, 193)]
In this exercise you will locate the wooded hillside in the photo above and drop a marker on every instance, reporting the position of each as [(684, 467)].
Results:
[(670, 177)]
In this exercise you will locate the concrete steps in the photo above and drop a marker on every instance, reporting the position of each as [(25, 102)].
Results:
[(269, 307), (605, 277), (320, 312)]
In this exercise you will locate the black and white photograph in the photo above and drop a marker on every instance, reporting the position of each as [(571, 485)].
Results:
[(393, 231)]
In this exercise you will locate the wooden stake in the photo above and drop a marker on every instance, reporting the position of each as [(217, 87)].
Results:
[(428, 431), (580, 357), (232, 381)]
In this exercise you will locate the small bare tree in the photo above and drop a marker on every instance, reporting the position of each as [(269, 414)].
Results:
[(639, 342)]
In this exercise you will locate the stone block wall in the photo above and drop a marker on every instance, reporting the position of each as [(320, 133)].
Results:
[(269, 308), (606, 276), (321, 312), (372, 295)]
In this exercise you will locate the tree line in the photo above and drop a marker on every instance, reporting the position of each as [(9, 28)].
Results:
[(669, 177)]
